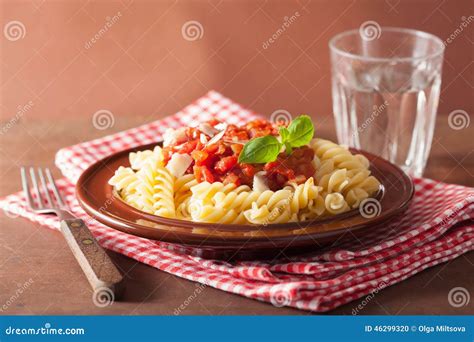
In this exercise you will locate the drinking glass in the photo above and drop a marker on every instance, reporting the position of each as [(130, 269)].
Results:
[(385, 86)]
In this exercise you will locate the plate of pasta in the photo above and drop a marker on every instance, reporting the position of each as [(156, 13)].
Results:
[(222, 190)]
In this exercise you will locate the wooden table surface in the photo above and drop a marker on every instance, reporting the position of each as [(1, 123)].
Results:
[(56, 285)]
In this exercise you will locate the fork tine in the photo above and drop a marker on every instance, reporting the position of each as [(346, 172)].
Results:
[(55, 188), (36, 188), (45, 187), (26, 188)]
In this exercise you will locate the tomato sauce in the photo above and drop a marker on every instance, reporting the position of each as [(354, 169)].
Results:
[(218, 161)]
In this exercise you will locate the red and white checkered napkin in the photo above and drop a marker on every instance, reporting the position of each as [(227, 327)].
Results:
[(436, 228)]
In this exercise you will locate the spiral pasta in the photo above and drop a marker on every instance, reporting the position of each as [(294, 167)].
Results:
[(354, 197), (340, 156), (146, 185), (303, 195), (182, 188), (182, 209), (335, 181), (361, 179), (205, 191), (264, 215), (208, 213), (335, 203), (340, 183), (316, 208), (163, 194), (323, 168), (156, 190), (242, 198), (124, 179), (344, 178), (282, 205), (140, 158)]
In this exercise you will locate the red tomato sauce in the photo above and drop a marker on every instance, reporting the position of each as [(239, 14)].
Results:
[(218, 162)]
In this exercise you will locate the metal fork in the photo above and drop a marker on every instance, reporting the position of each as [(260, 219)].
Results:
[(94, 261)]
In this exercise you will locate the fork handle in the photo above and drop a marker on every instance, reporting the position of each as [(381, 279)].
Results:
[(94, 261)]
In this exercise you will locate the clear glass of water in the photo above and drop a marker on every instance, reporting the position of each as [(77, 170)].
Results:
[(385, 86)]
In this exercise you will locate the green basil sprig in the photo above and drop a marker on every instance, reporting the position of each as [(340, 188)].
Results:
[(260, 150), (266, 149)]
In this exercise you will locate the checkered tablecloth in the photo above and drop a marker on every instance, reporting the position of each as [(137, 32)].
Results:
[(436, 228)]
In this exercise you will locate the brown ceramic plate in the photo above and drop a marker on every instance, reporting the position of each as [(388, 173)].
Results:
[(228, 241)]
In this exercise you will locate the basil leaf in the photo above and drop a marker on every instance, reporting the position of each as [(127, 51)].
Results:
[(284, 133), (300, 131), (260, 150)]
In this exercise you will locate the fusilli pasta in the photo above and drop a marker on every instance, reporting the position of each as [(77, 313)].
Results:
[(341, 182)]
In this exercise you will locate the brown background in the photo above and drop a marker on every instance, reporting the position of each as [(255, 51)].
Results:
[(143, 66), (142, 69)]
